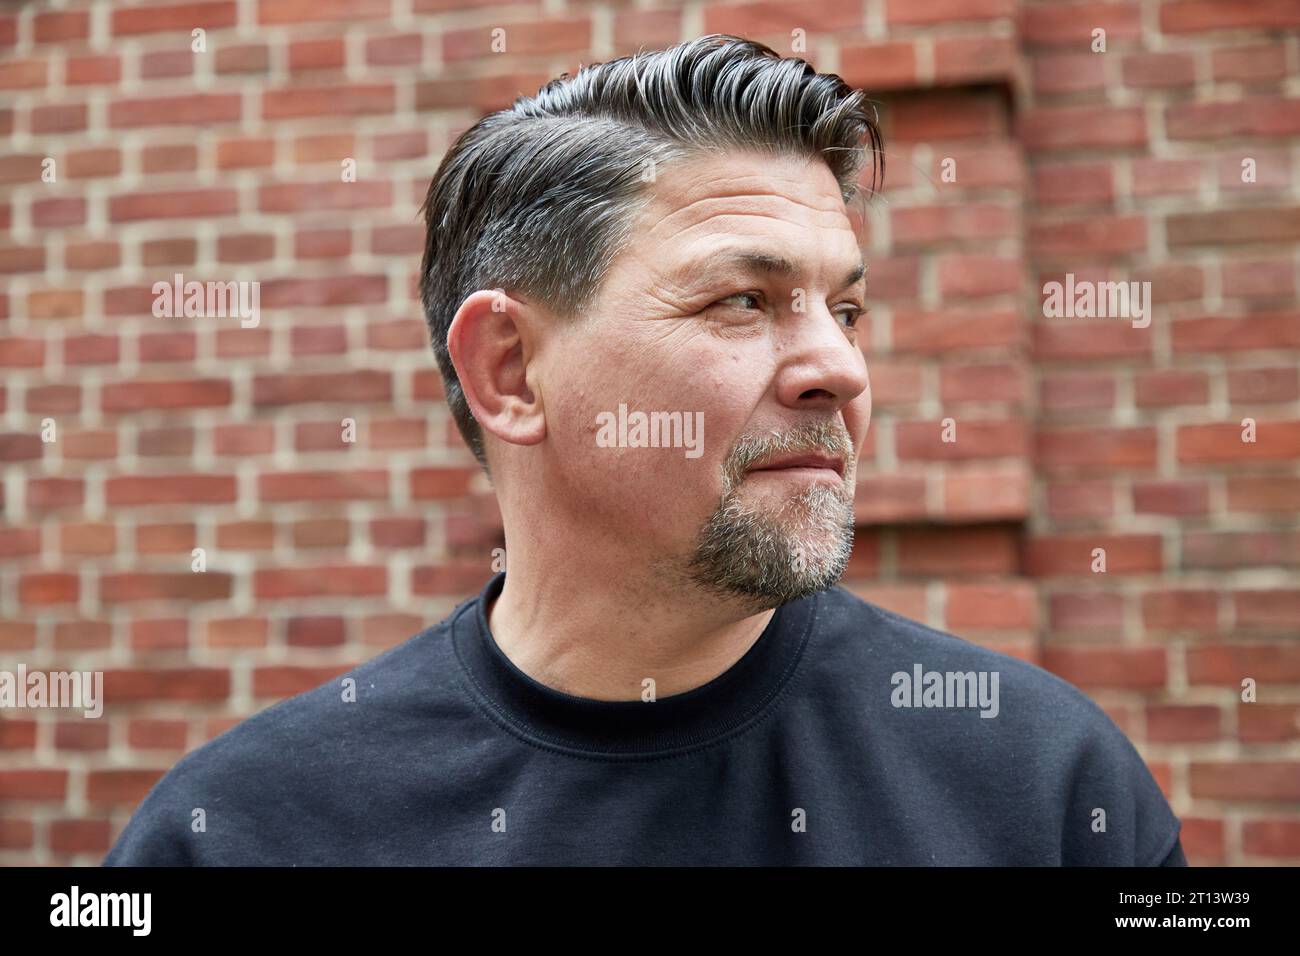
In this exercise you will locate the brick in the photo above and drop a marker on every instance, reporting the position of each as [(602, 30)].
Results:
[(168, 394), (300, 197), (1057, 74), (371, 484), (884, 499), (333, 387), (1159, 70), (1244, 549), (1228, 665), (237, 632), (49, 588), (245, 152), (1193, 16), (1061, 392), (1274, 441), (879, 66), (287, 680), (168, 634), (166, 63), (961, 60), (403, 49), (184, 17), (1095, 236), (1071, 24), (1074, 183), (1263, 495), (1171, 497), (157, 734), (179, 204), (308, 11), (1164, 388), (317, 631), (120, 787), (1166, 177), (434, 483), (974, 439), (538, 37), (58, 118), (322, 243), (975, 276), (1277, 839), (193, 109), (322, 533), (317, 54), (1267, 610), (1257, 63), (23, 74), (334, 581), (1244, 780), (354, 100), (169, 159), (182, 488), (1133, 668), (1096, 448), (1257, 331), (977, 550), (1260, 117), (976, 607), (61, 27), (93, 163), (246, 247), (934, 12), (1259, 279), (1174, 724), (246, 58), (325, 291), (1073, 554), (33, 785), (1075, 127), (186, 586), (246, 535), (397, 533)]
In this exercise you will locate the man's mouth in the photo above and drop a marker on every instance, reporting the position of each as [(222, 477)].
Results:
[(809, 465)]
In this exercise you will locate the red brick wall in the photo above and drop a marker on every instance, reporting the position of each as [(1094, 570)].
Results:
[(1072, 434)]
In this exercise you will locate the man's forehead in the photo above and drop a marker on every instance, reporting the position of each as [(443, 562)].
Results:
[(756, 261)]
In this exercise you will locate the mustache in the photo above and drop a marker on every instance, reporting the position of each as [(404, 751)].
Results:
[(829, 437)]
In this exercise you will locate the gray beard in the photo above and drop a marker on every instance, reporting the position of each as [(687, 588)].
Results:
[(767, 560)]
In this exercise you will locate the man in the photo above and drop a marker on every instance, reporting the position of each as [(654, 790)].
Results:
[(643, 288)]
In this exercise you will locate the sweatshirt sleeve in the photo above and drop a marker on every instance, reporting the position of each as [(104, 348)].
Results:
[(1118, 815)]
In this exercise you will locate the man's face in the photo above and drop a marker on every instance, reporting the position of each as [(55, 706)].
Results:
[(697, 317)]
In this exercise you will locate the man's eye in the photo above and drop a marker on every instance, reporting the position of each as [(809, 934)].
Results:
[(852, 314), (755, 297)]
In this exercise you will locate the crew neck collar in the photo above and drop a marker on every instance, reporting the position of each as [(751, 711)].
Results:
[(630, 729)]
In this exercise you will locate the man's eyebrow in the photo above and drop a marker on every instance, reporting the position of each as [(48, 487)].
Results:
[(766, 263)]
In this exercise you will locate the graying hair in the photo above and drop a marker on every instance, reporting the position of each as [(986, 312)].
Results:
[(540, 197)]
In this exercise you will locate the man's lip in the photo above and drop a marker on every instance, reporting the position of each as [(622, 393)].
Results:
[(804, 461)]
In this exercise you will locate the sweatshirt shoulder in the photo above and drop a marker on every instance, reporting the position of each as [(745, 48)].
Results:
[(292, 747), (1076, 757), (884, 639)]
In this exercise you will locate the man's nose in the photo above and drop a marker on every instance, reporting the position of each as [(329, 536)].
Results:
[(822, 365)]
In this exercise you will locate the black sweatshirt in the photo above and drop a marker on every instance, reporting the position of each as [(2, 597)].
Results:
[(829, 742)]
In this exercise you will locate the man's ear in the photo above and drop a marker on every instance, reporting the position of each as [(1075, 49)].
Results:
[(491, 343)]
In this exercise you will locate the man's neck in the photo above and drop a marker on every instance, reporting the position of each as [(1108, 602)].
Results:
[(600, 643)]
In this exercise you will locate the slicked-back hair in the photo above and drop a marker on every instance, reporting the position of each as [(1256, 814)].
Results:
[(539, 198)]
